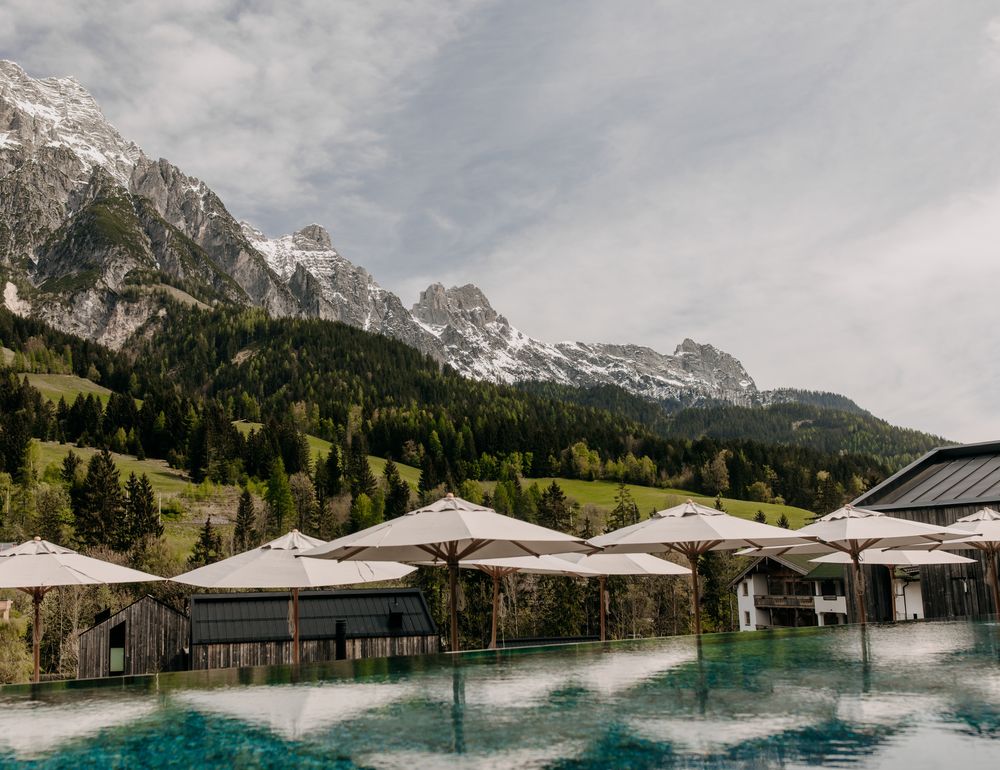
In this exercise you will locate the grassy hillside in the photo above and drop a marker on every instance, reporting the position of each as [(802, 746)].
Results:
[(68, 386), (598, 493), (186, 505), (321, 448), (165, 480), (602, 495)]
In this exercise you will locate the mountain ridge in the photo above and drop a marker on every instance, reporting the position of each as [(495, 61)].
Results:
[(90, 227)]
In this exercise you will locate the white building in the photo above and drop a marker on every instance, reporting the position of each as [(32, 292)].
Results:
[(790, 591)]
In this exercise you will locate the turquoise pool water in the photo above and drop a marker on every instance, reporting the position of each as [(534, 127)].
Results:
[(913, 696)]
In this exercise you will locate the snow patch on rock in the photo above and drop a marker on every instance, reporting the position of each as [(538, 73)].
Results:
[(13, 301)]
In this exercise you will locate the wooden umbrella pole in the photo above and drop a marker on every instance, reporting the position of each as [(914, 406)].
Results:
[(991, 558), (859, 590), (453, 601), (496, 610), (892, 592), (602, 579), (695, 602), (36, 631), (296, 650)]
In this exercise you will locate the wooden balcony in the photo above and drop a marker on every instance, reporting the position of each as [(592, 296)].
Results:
[(801, 602)]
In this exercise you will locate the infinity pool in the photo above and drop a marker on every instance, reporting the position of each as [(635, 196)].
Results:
[(912, 696)]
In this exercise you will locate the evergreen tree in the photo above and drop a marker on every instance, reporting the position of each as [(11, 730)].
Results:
[(278, 497), (363, 481), (244, 537), (562, 611), (70, 470), (397, 491), (783, 521), (719, 505), (142, 513), (554, 511), (306, 504), (102, 503), (428, 480), (760, 517), (715, 594), (53, 515), (208, 548), (332, 476), (625, 512), (829, 494)]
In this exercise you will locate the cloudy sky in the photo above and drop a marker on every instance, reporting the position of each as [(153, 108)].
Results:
[(811, 186)]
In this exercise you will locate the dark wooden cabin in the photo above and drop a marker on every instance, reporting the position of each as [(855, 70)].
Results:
[(941, 487), (255, 629), (144, 638)]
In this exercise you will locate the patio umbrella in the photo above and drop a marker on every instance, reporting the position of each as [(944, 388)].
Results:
[(529, 565), (890, 558), (851, 531), (605, 564), (37, 566), (450, 531), (691, 529), (984, 528), (274, 565)]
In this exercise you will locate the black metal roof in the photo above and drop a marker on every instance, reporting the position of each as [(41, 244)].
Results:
[(264, 617), (800, 563), (958, 475), (106, 616)]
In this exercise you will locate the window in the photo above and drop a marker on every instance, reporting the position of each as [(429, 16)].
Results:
[(746, 618), (116, 643), (746, 587)]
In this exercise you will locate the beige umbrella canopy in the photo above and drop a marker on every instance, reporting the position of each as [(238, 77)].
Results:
[(449, 531), (530, 565), (893, 558), (691, 529), (275, 565), (984, 528), (37, 566), (851, 531), (606, 564)]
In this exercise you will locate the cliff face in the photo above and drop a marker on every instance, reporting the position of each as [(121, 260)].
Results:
[(84, 214), (94, 235)]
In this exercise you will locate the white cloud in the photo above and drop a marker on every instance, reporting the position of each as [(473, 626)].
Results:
[(813, 188)]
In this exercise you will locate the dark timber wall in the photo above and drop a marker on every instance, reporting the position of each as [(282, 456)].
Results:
[(255, 629), (948, 590), (239, 654), (156, 637)]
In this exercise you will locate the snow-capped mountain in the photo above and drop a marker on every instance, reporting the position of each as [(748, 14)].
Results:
[(326, 285), (95, 237), (481, 343), (85, 215)]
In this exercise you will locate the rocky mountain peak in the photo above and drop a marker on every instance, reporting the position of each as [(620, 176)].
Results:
[(456, 306), (313, 238), (40, 116)]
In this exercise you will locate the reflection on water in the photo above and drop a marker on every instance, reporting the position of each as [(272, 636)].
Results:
[(902, 696)]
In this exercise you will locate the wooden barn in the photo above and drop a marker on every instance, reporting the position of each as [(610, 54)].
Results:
[(939, 488), (146, 637), (254, 629)]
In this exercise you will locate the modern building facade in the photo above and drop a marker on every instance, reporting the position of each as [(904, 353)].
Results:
[(255, 629), (146, 637), (939, 488)]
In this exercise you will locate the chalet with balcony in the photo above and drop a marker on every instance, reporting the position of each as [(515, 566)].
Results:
[(789, 592)]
